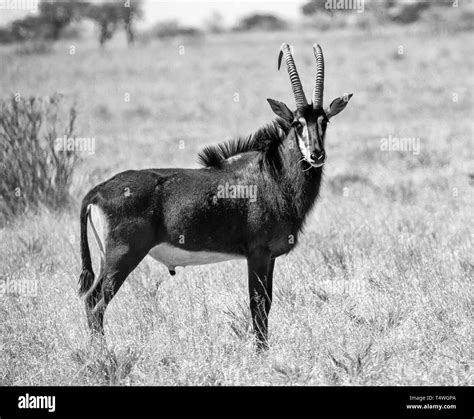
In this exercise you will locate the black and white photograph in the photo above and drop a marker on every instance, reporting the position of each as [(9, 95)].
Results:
[(245, 195)]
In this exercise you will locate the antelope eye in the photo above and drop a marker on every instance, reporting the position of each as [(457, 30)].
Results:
[(298, 125)]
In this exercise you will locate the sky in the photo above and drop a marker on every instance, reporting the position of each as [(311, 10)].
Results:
[(189, 12)]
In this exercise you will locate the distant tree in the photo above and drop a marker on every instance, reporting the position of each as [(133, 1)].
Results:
[(49, 23), (401, 11), (57, 15), (129, 14), (323, 6), (214, 22), (261, 21), (110, 16), (315, 6)]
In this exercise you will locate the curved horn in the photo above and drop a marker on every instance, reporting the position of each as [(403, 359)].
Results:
[(319, 83), (300, 98)]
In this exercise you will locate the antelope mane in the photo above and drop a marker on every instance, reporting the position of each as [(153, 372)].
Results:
[(266, 140)]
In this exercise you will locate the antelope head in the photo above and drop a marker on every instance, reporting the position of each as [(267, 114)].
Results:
[(308, 121)]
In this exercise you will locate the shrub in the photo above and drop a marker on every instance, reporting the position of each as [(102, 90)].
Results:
[(325, 22), (35, 47), (6, 36), (314, 6), (30, 27), (407, 12), (33, 172), (265, 22), (171, 29), (452, 19)]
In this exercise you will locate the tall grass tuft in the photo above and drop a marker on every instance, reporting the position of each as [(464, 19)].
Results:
[(33, 172)]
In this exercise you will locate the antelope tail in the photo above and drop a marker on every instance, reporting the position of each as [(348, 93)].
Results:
[(86, 278)]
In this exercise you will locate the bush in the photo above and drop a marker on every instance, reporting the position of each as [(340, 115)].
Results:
[(30, 28), (407, 12), (172, 28), (453, 19), (6, 36), (315, 6), (264, 22), (36, 47), (33, 172), (325, 22)]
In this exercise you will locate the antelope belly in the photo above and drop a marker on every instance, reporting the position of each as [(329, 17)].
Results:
[(172, 256)]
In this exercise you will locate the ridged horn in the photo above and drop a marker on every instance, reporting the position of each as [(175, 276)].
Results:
[(300, 98), (319, 82)]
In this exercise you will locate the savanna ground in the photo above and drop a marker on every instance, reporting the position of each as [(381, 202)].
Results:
[(379, 291)]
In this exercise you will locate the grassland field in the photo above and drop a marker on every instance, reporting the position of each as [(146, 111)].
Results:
[(379, 290)]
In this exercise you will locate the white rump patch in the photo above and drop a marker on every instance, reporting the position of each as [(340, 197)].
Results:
[(99, 225), (172, 256)]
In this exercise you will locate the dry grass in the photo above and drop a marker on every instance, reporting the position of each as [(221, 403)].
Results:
[(379, 290)]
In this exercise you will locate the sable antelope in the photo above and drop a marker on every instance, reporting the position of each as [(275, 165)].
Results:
[(177, 216)]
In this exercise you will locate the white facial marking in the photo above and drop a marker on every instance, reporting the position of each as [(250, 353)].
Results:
[(320, 128), (303, 138)]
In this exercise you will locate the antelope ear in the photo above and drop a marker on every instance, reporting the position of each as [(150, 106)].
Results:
[(281, 110), (337, 105)]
